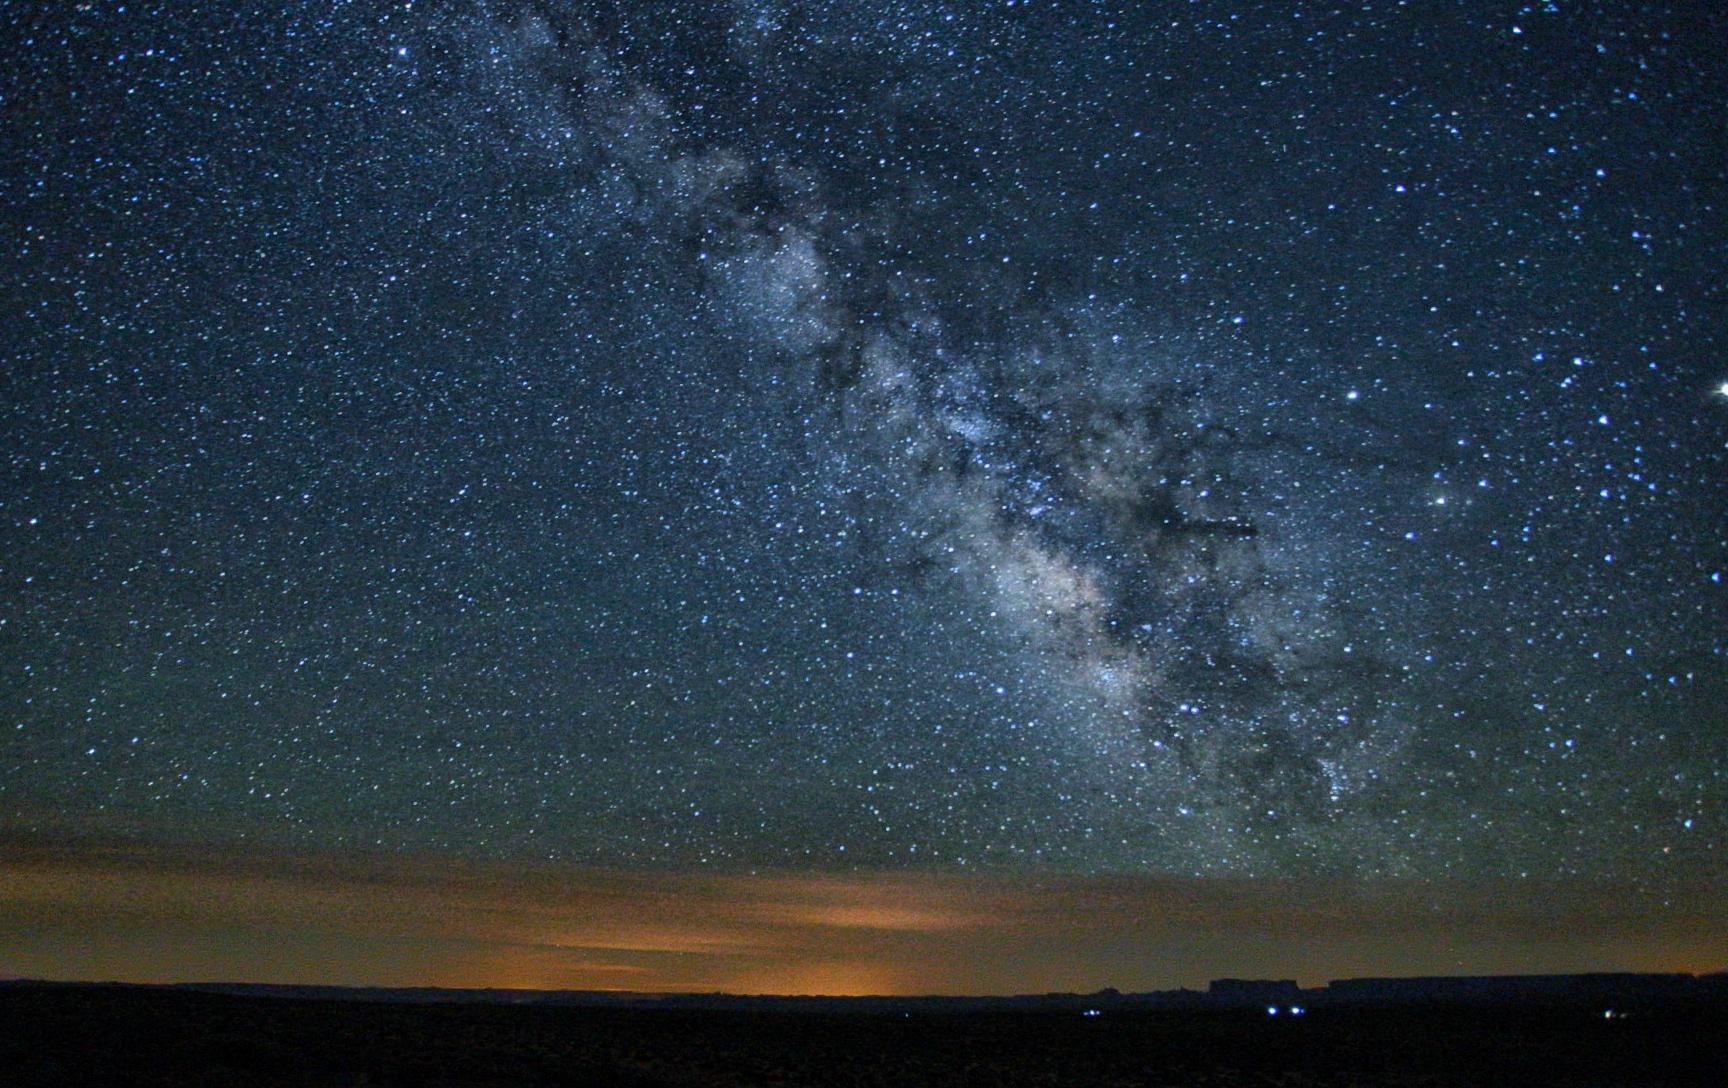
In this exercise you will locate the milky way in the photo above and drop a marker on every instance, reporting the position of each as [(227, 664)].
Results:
[(894, 435)]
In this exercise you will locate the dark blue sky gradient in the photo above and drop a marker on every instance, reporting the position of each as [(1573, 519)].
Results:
[(1191, 441)]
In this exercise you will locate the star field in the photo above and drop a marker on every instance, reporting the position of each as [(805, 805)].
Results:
[(1181, 439)]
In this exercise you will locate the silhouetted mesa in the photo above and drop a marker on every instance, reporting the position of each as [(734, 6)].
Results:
[(1254, 991), (1456, 989), (1603, 987)]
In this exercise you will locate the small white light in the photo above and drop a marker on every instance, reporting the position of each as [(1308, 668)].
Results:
[(1271, 1010)]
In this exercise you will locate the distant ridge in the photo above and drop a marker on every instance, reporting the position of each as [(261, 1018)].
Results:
[(1624, 988)]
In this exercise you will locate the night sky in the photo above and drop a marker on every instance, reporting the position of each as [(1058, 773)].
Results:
[(797, 460)]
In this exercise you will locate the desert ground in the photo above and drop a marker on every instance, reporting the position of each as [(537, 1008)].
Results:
[(145, 1036)]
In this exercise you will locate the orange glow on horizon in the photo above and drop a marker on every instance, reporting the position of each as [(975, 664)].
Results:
[(157, 915)]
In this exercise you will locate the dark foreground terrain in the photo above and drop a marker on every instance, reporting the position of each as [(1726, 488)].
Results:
[(98, 1035)]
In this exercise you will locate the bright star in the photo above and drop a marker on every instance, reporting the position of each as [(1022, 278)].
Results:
[(1722, 390)]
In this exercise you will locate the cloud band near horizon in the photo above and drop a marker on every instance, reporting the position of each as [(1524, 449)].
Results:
[(123, 912)]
